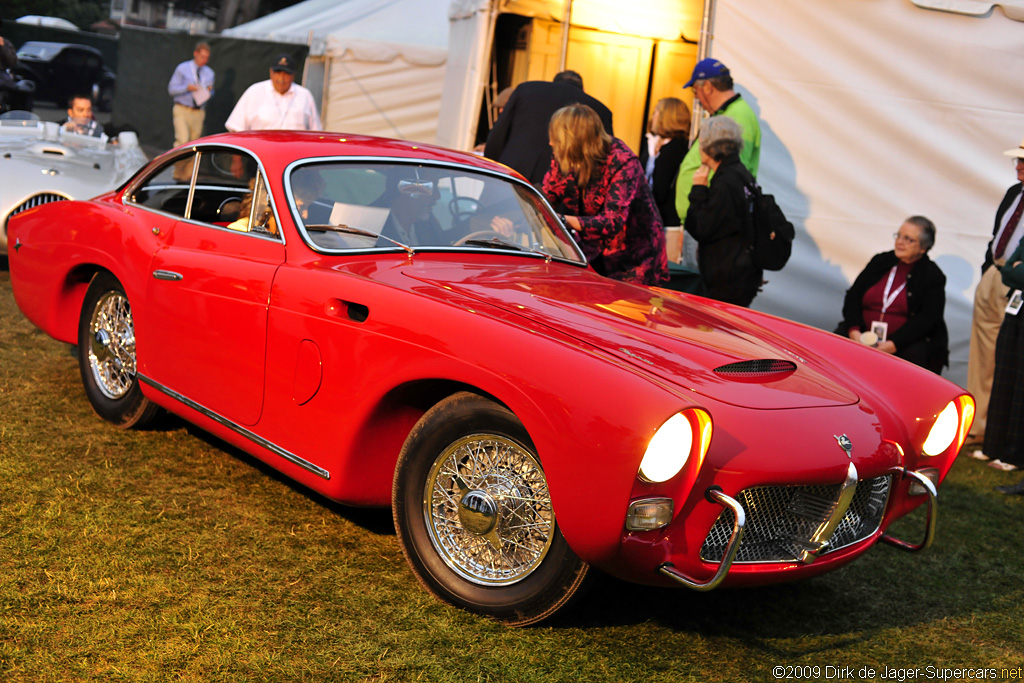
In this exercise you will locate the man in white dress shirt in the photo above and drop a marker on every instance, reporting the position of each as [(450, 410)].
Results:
[(276, 104)]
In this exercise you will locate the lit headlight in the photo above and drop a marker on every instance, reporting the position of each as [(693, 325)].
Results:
[(950, 424), (684, 435)]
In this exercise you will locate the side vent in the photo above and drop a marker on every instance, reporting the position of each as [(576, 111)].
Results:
[(760, 368)]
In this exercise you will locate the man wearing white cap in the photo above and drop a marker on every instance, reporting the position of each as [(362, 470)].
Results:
[(990, 299), (276, 104)]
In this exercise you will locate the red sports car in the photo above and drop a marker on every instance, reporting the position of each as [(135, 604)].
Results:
[(400, 325)]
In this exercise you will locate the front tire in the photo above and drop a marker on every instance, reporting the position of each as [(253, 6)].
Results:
[(106, 355), (474, 516)]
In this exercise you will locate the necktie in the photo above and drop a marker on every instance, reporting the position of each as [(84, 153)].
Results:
[(1008, 230)]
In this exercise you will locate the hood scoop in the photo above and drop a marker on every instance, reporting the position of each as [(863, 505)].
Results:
[(759, 369)]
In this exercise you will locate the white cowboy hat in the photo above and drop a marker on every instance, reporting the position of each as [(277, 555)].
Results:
[(1019, 152)]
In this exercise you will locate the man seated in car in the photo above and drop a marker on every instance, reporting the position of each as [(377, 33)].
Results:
[(80, 119), (412, 220)]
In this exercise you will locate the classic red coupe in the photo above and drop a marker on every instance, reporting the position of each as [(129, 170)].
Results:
[(394, 324)]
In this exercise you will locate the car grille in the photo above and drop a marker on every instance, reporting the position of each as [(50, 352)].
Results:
[(782, 519), (34, 201)]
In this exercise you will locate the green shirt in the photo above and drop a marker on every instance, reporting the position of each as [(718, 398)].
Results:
[(739, 111)]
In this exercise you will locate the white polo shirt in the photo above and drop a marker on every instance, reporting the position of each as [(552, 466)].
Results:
[(262, 108)]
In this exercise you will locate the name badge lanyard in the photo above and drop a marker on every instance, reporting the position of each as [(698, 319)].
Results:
[(887, 297)]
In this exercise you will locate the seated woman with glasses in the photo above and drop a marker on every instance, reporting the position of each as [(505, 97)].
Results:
[(897, 302)]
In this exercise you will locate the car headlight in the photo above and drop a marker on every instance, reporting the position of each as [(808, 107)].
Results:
[(949, 425), (684, 435)]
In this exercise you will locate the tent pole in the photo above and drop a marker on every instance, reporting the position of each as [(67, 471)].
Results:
[(703, 51), (484, 85), (566, 17)]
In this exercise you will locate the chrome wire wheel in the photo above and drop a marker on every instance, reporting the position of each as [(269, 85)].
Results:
[(488, 510), (112, 345)]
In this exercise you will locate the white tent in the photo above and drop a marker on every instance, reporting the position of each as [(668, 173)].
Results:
[(871, 111), (376, 66)]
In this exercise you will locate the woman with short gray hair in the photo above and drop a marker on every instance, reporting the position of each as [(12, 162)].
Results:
[(897, 303), (720, 217)]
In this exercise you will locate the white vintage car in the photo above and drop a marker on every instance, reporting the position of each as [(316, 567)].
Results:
[(42, 162)]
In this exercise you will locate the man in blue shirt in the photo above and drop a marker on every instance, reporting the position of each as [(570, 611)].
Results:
[(191, 86)]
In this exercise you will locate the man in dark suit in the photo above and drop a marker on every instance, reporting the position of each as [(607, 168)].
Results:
[(520, 135), (990, 299)]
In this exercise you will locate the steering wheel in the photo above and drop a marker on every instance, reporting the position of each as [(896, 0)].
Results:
[(493, 234), (463, 214), (229, 209)]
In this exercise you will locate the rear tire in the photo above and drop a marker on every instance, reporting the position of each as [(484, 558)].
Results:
[(106, 356), (474, 516)]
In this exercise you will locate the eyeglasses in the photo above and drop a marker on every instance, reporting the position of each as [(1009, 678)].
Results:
[(900, 237), (1016, 161)]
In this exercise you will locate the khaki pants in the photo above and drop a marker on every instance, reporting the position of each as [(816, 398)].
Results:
[(188, 123), (989, 309)]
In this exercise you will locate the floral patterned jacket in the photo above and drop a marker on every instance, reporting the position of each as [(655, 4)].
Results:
[(621, 231)]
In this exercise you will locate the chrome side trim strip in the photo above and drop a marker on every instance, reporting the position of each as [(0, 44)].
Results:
[(929, 525), (238, 429), (715, 495)]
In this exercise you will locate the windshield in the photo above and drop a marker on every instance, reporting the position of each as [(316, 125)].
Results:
[(41, 51), (349, 205)]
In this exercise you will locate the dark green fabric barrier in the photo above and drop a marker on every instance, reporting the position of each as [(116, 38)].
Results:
[(148, 58)]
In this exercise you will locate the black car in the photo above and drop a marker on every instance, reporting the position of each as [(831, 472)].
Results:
[(61, 70)]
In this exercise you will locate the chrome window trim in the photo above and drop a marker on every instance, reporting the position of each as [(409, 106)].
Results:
[(197, 150), (412, 161)]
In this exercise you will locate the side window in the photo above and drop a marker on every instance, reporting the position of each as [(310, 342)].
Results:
[(224, 177), (167, 189), (254, 212)]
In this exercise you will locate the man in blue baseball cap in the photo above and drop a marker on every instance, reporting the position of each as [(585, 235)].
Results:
[(713, 87)]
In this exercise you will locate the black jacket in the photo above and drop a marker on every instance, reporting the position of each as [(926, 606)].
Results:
[(520, 135), (720, 219), (1004, 206), (663, 180), (926, 305)]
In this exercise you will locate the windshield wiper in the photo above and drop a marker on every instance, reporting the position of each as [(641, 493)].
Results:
[(349, 230), (496, 243)]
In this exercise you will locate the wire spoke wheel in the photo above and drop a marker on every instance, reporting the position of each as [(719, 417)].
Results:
[(488, 510), (107, 358), (474, 515), (112, 346)]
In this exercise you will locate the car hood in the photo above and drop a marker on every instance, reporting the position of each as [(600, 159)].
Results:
[(49, 160), (695, 343)]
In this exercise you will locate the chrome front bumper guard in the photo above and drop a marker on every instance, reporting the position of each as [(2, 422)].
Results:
[(929, 524), (715, 495)]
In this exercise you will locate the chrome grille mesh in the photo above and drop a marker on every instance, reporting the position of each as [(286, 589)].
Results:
[(780, 518), (36, 200)]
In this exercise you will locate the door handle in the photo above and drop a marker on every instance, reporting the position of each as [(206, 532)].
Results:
[(168, 275)]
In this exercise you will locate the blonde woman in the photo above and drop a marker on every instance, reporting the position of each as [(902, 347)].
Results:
[(599, 186)]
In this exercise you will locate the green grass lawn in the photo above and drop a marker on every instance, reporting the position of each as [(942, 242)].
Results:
[(166, 555)]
